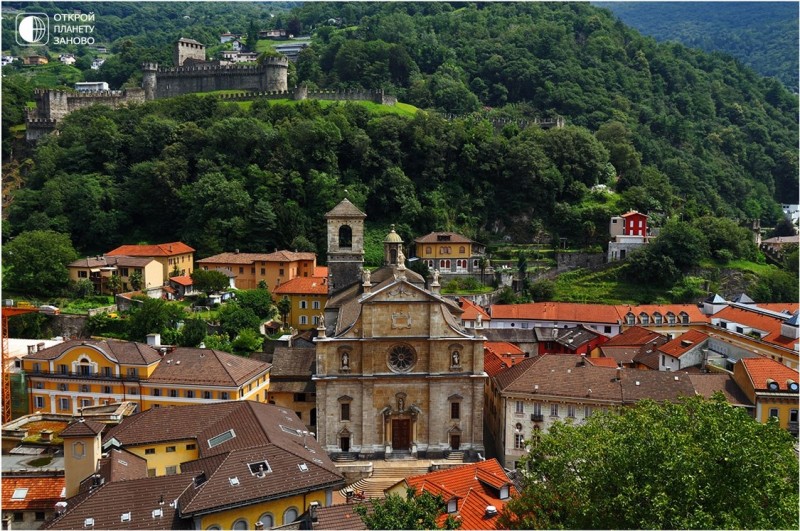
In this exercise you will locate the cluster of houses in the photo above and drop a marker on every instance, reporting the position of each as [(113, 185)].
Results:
[(384, 368)]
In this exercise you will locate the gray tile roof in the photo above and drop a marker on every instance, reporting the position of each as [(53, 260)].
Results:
[(345, 209), (83, 428), (708, 384), (124, 352)]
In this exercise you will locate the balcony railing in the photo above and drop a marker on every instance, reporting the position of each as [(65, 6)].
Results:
[(537, 417), (82, 375)]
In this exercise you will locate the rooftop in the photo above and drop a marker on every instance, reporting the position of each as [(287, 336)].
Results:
[(443, 237), (303, 286), (202, 366), (683, 343), (162, 249), (250, 258), (762, 370), (31, 493)]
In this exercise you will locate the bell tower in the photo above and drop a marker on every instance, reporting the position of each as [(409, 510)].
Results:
[(392, 245), (345, 245)]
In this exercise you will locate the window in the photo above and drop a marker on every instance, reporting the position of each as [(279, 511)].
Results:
[(191, 446), (221, 438), (315, 305), (38, 402), (207, 395), (793, 415), (630, 319), (519, 407), (107, 372), (39, 515), (345, 411), (170, 449), (151, 472), (241, 270), (444, 264), (190, 394), (149, 451), (84, 388), (83, 274), (607, 329), (240, 524), (172, 470), (537, 409), (553, 410), (428, 250), (19, 516), (519, 441), (63, 387), (36, 367), (345, 241), (671, 318), (657, 318), (303, 320), (107, 389), (224, 395), (571, 411), (86, 402), (402, 358), (773, 412), (39, 385), (429, 263), (684, 318), (173, 393), (64, 404), (289, 516), (19, 494), (133, 372), (63, 369), (156, 392), (299, 397), (133, 391), (455, 410), (280, 272), (644, 319), (587, 412), (266, 520), (303, 305)]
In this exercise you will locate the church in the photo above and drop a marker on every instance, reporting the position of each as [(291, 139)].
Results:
[(396, 373)]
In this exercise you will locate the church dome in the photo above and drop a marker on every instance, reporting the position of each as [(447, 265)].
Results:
[(393, 237)]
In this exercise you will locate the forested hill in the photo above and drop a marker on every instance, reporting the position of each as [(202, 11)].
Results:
[(669, 129), (762, 35)]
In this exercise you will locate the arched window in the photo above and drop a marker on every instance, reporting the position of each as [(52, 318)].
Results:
[(671, 318), (658, 318), (241, 523), (267, 520), (345, 236), (630, 319), (289, 516), (462, 249), (213, 528), (393, 256), (644, 319), (684, 318)]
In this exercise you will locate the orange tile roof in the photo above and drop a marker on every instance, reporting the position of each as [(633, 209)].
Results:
[(634, 212), (633, 336), (493, 363), (767, 323), (503, 348), (694, 313), (321, 272), (161, 249), (778, 306), (471, 310), (184, 280), (683, 343), (43, 492), (476, 485), (303, 286), (759, 369), (557, 311), (603, 362)]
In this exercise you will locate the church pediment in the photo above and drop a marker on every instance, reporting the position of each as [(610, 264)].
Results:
[(403, 291)]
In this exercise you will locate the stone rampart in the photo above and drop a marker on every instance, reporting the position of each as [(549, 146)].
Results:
[(269, 76)]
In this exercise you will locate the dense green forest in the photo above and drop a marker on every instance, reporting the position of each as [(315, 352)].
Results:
[(762, 35), (671, 131)]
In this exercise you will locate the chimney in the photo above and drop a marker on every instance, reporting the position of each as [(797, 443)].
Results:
[(39, 346), (491, 510), (312, 511), (619, 373), (236, 251), (31, 349)]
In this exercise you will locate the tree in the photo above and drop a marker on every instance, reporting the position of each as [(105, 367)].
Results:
[(247, 341), (284, 307), (36, 262), (660, 466), (135, 279), (784, 227), (114, 283), (412, 512), (209, 281), (83, 288), (233, 319), (543, 290), (258, 300), (153, 316), (218, 342), (192, 333), (252, 36)]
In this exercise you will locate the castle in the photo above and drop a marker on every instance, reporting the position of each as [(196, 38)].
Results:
[(191, 73)]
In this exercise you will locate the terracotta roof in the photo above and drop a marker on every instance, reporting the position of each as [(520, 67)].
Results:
[(683, 343), (321, 271), (162, 249), (708, 384), (139, 497), (250, 258), (692, 310), (303, 286), (556, 311), (502, 348), (779, 307), (761, 369), (434, 237), (603, 362), (124, 352), (342, 516), (472, 310), (760, 321), (493, 363), (632, 213), (40, 493), (200, 366), (480, 481), (345, 209), (83, 428), (633, 336), (184, 280)]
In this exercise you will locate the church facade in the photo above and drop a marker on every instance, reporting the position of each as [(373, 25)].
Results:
[(396, 373)]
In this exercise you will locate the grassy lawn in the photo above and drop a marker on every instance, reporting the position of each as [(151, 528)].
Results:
[(82, 306), (604, 287), (52, 75), (744, 265), (478, 291), (402, 109)]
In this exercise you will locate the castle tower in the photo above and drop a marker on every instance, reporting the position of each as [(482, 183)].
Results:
[(188, 50), (149, 81), (82, 451), (345, 245), (392, 245)]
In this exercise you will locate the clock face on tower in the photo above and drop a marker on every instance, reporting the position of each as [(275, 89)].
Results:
[(402, 358)]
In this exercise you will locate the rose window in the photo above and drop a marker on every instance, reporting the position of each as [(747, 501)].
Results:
[(401, 358)]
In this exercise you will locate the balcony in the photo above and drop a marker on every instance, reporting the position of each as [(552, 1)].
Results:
[(81, 376), (537, 417)]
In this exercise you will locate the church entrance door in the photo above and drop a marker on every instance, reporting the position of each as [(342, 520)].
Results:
[(401, 434), (455, 442)]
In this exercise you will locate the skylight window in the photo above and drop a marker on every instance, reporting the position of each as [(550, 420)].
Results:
[(88, 522), (19, 494), (234, 481), (126, 517), (259, 468), (221, 438), (303, 467), (293, 431)]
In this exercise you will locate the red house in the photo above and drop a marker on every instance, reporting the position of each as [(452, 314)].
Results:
[(635, 224)]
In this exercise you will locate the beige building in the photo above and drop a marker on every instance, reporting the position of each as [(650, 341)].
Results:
[(395, 372), (176, 258), (100, 269), (249, 269)]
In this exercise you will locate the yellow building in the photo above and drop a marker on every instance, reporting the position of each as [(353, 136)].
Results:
[(290, 383), (77, 374), (172, 256), (449, 252), (273, 268), (100, 269), (772, 387), (307, 296), (217, 466)]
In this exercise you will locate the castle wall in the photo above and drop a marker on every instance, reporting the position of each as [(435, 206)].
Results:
[(270, 76)]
